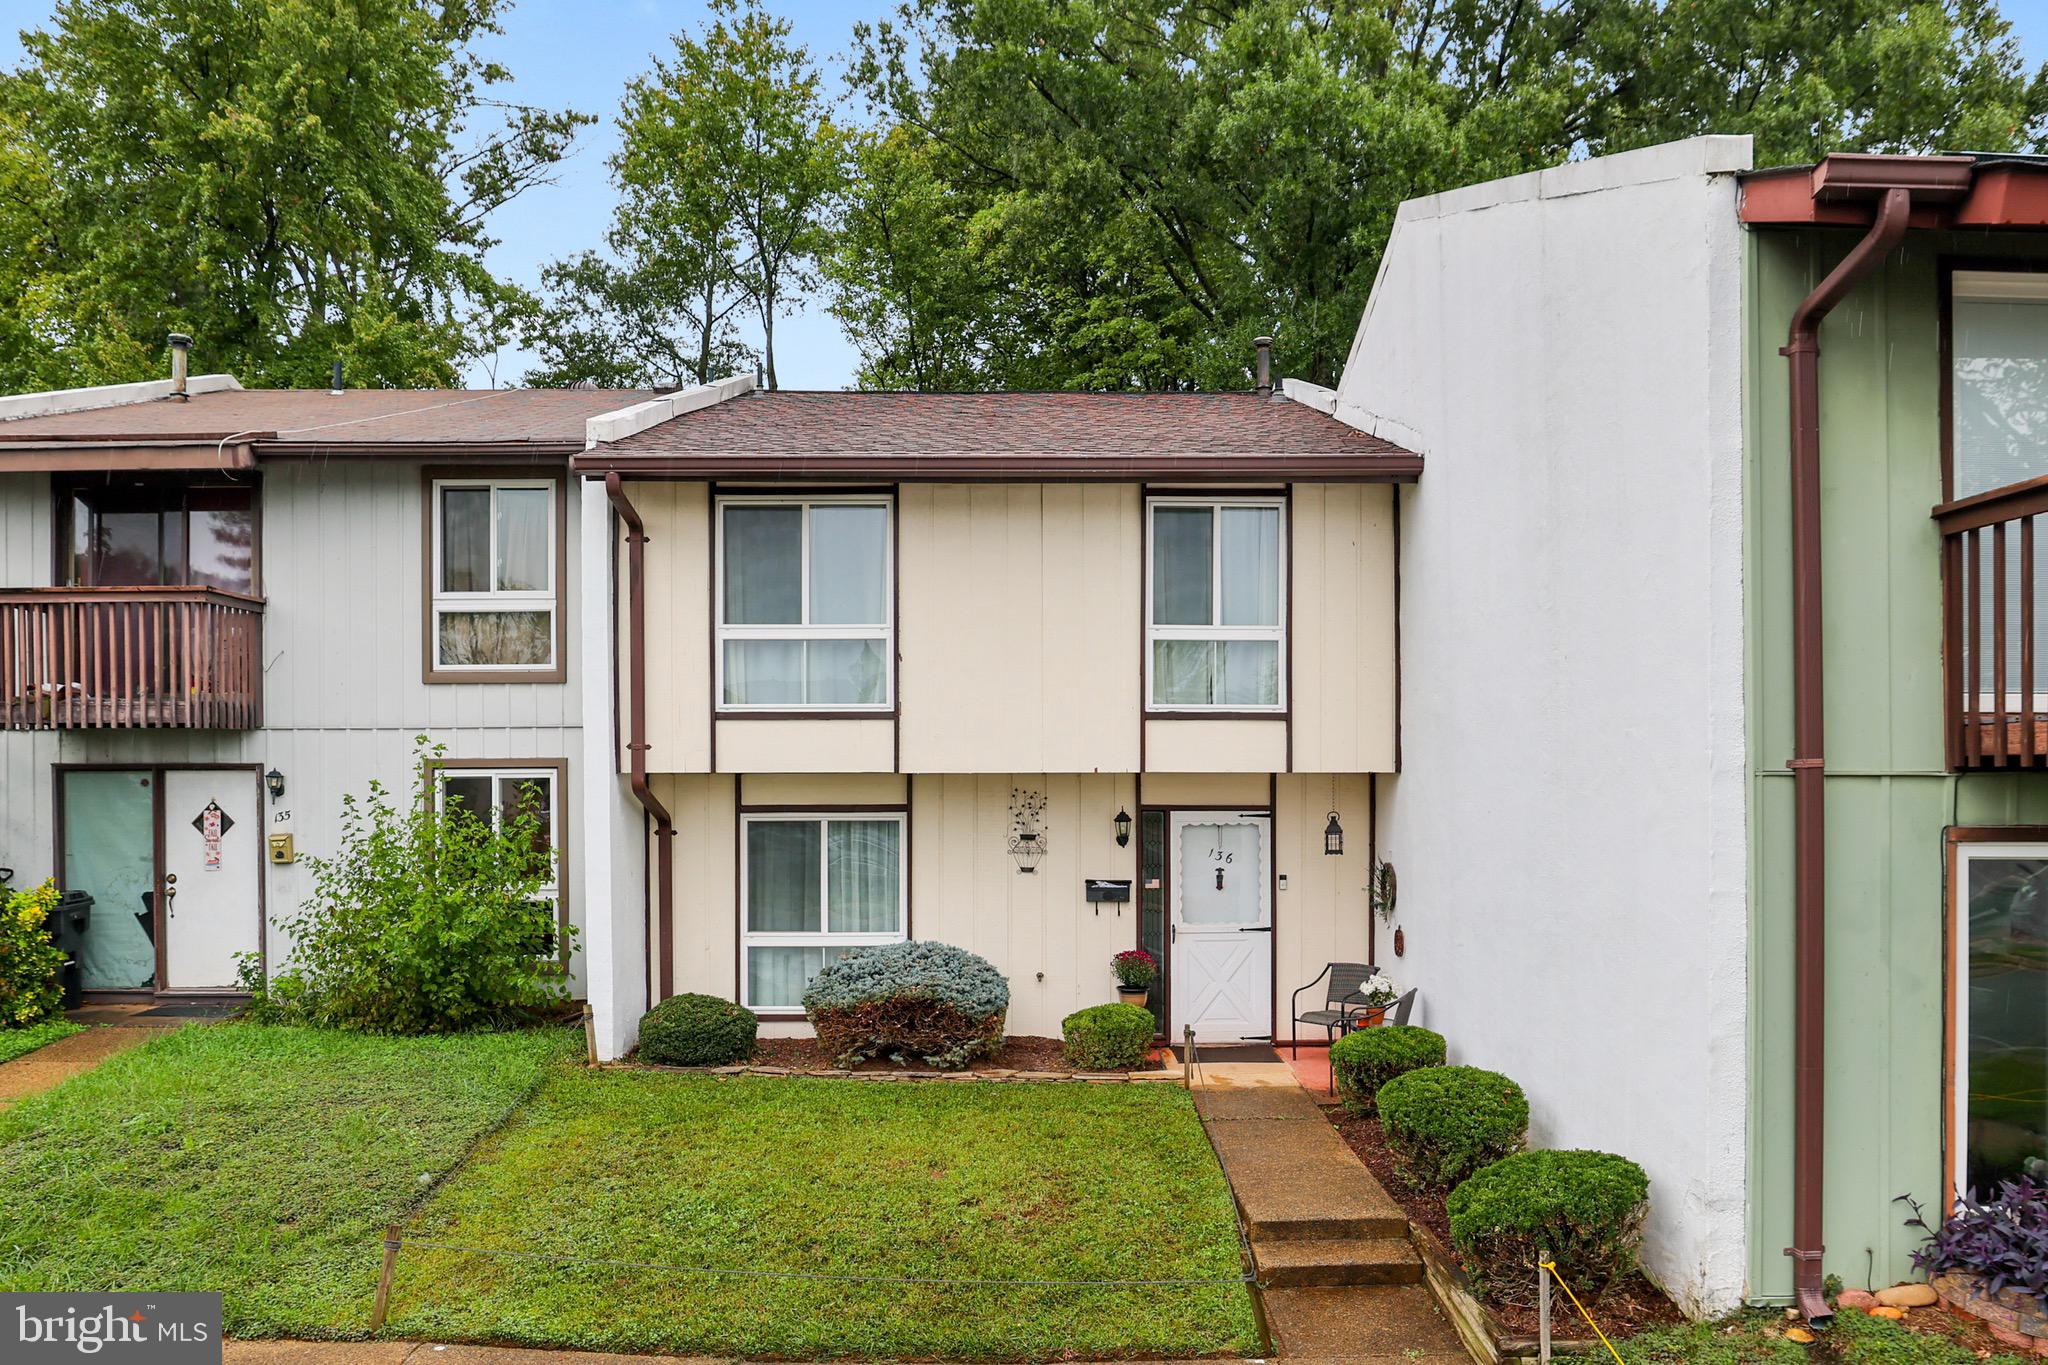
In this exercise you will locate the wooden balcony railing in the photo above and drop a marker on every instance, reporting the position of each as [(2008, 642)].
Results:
[(1994, 633), (130, 658)]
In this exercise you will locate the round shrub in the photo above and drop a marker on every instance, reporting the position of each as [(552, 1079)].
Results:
[(697, 1030), (1367, 1058), (1585, 1209), (940, 1004), (1448, 1121), (1108, 1037)]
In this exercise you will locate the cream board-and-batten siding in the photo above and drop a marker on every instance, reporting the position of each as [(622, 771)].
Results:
[(1019, 632), (342, 690)]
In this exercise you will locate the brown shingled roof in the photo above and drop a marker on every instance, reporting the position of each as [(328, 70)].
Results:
[(784, 434), (271, 418)]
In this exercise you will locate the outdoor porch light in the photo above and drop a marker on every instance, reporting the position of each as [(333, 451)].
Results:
[(1123, 827), (273, 781), (1333, 837)]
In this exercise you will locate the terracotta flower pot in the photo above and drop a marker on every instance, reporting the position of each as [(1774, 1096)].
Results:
[(2015, 1317), (1133, 995)]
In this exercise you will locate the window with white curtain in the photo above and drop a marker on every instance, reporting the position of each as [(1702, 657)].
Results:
[(812, 888), (1215, 604), (805, 604), (494, 575)]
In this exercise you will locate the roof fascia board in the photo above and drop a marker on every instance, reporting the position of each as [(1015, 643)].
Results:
[(1015, 468), (617, 426), (1311, 395), (50, 402)]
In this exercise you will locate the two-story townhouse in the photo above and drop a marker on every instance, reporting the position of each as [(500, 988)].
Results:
[(1726, 828), (222, 610), (1046, 676)]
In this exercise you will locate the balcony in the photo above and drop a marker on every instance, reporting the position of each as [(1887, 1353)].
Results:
[(1994, 637), (130, 659)]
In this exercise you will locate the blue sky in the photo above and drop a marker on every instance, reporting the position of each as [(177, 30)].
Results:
[(581, 53)]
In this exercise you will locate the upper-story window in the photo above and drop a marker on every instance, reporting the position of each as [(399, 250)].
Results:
[(1215, 604), (495, 574), (157, 534), (1998, 343), (805, 607)]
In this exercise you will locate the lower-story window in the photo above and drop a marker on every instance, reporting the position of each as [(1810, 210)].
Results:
[(493, 793), (2000, 996), (811, 888)]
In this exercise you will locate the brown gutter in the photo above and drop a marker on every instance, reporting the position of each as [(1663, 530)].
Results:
[(1034, 466), (636, 726), (1809, 771)]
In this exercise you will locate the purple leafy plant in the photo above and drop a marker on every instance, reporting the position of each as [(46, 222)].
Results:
[(2004, 1240)]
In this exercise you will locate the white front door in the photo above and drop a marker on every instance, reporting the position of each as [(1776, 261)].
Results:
[(1222, 937), (212, 859)]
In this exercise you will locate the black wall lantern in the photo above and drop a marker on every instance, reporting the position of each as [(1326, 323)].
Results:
[(1333, 837), (1123, 827), (274, 781)]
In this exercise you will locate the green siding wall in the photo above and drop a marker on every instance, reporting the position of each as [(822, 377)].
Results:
[(1889, 797)]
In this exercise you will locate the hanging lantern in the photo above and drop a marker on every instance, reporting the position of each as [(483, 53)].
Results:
[(1027, 848), (1333, 837), (1123, 827)]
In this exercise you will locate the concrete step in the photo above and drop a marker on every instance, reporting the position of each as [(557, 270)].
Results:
[(1328, 1262), (1346, 1226)]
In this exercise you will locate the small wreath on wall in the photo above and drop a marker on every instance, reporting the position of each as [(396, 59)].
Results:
[(1027, 826)]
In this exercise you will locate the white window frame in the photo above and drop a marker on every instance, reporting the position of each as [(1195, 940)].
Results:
[(822, 939), (1155, 632), (1966, 852), (494, 601), (885, 632), (551, 891)]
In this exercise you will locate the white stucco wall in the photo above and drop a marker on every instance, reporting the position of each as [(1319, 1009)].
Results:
[(1569, 823)]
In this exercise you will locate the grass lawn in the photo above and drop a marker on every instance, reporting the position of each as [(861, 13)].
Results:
[(926, 1180), (18, 1042), (1929, 1337), (263, 1162)]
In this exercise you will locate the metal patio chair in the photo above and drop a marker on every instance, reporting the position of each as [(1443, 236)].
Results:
[(1403, 1008), (1344, 980)]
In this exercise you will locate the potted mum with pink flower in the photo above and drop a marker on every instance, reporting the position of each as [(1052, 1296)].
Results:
[(1135, 970)]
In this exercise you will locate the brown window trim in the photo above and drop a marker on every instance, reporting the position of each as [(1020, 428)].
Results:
[(430, 673), (1148, 710), (560, 767)]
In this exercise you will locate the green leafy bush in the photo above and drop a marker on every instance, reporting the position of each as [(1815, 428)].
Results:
[(1366, 1059), (1108, 1037), (428, 920), (29, 959), (1446, 1122), (697, 1030), (932, 1001), (1585, 1209)]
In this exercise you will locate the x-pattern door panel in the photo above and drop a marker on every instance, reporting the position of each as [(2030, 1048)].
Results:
[(1222, 939)]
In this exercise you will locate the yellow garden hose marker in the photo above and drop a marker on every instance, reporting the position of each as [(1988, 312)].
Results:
[(1551, 1266)]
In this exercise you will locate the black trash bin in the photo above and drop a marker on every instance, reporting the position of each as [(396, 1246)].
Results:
[(68, 923)]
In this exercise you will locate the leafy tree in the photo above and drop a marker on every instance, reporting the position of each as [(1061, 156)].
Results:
[(1139, 189), (289, 180)]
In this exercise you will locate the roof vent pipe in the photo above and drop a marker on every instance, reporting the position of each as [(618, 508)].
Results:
[(335, 387), (1264, 347), (181, 364)]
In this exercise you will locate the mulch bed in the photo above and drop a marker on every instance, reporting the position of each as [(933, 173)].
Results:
[(1016, 1054), (1634, 1305)]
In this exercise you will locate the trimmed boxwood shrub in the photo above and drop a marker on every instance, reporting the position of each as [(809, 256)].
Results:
[(1584, 1208), (932, 1001), (697, 1030), (1108, 1037), (1448, 1121), (1366, 1059)]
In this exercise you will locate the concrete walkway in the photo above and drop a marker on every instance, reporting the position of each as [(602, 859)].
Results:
[(54, 1063), (1338, 1276)]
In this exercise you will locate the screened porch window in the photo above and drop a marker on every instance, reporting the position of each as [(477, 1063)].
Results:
[(805, 605), (1215, 607), (151, 535), (812, 888), (494, 575), (2000, 994)]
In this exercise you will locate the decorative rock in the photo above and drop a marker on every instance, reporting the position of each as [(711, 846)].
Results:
[(1798, 1334), (1885, 1310), (1907, 1296), (1856, 1298)]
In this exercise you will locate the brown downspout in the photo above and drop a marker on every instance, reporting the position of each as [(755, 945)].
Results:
[(636, 725), (1809, 772)]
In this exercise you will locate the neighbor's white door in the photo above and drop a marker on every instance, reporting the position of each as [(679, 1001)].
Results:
[(1222, 948), (213, 836)]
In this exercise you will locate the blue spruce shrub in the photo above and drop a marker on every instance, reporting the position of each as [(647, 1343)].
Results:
[(940, 1004)]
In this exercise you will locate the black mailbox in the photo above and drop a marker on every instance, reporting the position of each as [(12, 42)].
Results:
[(1104, 889)]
